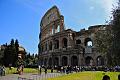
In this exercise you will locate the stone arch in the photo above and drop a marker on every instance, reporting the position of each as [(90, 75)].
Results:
[(45, 62), (74, 61), (57, 28), (50, 62), (56, 44), (65, 42), (88, 42), (64, 61), (100, 61), (73, 36), (56, 61), (89, 61), (78, 41), (41, 61)]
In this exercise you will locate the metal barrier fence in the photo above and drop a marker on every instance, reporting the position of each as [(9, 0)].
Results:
[(41, 76)]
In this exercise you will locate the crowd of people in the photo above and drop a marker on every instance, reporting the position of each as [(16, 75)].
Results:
[(71, 69)]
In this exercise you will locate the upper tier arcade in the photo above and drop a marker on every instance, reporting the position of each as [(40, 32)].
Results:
[(52, 22)]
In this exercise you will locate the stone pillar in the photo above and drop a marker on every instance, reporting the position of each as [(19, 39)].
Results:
[(79, 60), (52, 45), (94, 61), (61, 23), (59, 60), (60, 43), (69, 60), (70, 42), (47, 45)]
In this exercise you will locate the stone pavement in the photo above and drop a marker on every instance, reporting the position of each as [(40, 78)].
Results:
[(29, 76)]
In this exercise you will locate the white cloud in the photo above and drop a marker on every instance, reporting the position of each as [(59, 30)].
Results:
[(107, 5)]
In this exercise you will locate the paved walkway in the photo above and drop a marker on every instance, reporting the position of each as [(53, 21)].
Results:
[(29, 76)]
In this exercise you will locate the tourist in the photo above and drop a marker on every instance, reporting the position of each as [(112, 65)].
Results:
[(40, 70), (45, 70), (51, 69), (119, 77), (106, 77)]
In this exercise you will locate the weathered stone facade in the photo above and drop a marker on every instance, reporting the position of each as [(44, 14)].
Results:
[(62, 47)]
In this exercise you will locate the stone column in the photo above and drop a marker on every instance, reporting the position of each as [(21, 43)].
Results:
[(68, 40), (69, 60), (59, 60), (52, 45), (79, 60), (60, 43)]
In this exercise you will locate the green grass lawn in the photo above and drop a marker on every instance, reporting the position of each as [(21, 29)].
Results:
[(87, 75), (26, 70)]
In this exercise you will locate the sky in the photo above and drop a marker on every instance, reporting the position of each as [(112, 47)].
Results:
[(20, 19)]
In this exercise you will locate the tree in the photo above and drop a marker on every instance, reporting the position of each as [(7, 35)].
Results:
[(10, 53), (116, 34), (108, 41), (103, 41), (16, 45)]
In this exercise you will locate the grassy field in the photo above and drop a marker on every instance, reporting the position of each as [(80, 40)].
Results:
[(89, 75), (26, 70)]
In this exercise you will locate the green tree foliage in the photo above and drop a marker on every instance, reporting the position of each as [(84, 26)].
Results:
[(16, 45), (31, 60), (103, 41), (10, 54), (2, 52), (108, 40), (116, 34)]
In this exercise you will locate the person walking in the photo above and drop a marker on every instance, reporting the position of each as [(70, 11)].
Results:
[(40, 69), (45, 70)]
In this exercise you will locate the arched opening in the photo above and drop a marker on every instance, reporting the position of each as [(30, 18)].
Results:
[(78, 41), (56, 61), (64, 61), (50, 62), (56, 44), (50, 46), (58, 28), (89, 61), (64, 43), (74, 61), (53, 29), (46, 46), (73, 36), (45, 62), (41, 61), (88, 42), (100, 61)]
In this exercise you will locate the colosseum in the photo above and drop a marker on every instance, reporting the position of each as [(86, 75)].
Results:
[(61, 47)]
